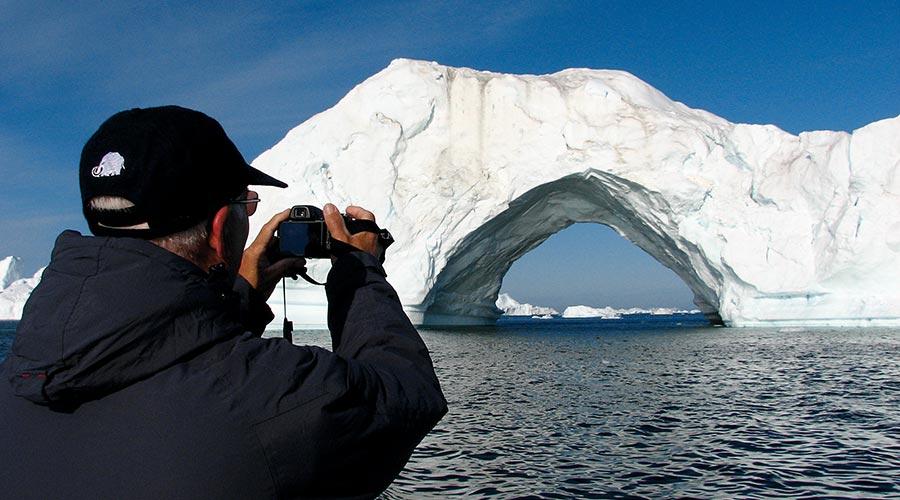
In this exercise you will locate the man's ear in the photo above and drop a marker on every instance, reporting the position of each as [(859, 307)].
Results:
[(217, 233)]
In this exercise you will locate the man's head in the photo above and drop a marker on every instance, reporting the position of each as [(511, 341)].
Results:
[(170, 175)]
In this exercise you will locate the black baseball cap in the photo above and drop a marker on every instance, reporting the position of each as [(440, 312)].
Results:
[(176, 165)]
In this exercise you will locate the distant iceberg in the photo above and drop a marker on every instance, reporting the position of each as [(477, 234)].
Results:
[(591, 312), (511, 307), (611, 313), (15, 290), (10, 271)]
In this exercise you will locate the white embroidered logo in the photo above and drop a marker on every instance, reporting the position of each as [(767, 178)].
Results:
[(111, 164)]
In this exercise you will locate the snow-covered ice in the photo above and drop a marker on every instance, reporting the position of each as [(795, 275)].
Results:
[(511, 307), (15, 290), (470, 170), (10, 270), (591, 312), (613, 313)]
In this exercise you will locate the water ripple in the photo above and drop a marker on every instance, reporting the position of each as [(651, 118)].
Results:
[(694, 413)]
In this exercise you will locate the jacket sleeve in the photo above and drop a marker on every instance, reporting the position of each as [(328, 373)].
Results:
[(254, 313), (345, 422), (387, 357), (388, 364)]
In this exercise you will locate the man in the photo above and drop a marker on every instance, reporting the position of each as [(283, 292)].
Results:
[(137, 369)]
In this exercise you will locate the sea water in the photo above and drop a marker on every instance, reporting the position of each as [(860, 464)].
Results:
[(658, 407)]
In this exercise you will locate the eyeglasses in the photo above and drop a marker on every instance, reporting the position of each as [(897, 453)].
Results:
[(248, 201)]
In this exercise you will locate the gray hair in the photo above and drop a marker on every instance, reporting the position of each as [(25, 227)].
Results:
[(188, 243)]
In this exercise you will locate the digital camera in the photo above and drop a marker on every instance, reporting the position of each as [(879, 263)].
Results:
[(304, 234)]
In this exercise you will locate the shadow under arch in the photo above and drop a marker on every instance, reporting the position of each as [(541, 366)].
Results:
[(466, 290)]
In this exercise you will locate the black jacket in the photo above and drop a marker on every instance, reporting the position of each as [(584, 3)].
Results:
[(134, 374)]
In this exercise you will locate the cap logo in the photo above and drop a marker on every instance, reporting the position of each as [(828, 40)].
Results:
[(111, 164)]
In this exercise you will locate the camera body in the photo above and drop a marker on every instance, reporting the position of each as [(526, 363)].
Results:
[(305, 234)]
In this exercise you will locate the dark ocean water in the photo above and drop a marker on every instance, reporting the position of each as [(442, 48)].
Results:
[(658, 407), (7, 334)]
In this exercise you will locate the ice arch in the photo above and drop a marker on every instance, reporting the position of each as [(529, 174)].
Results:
[(472, 169), (468, 286)]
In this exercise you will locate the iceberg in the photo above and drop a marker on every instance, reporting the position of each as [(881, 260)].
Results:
[(607, 312), (511, 307), (15, 290), (10, 270), (591, 312), (470, 170)]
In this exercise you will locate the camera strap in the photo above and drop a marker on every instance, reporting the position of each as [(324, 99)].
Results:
[(309, 279), (288, 325)]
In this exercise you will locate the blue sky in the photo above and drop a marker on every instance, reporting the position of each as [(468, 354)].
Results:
[(262, 68)]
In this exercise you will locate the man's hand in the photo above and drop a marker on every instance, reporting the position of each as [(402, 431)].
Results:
[(365, 241), (255, 266)]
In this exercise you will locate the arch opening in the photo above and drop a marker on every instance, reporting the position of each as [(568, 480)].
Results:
[(592, 265), (466, 290)]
